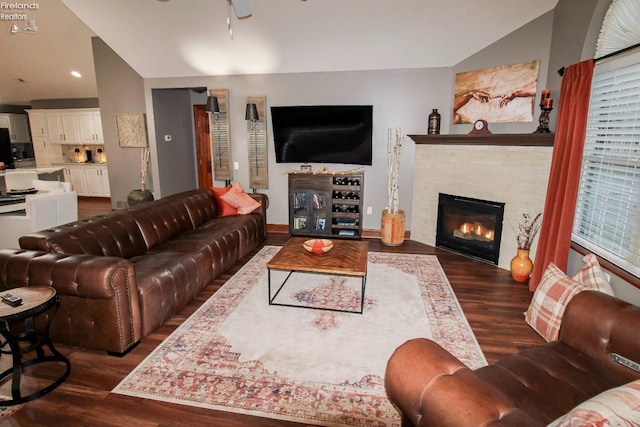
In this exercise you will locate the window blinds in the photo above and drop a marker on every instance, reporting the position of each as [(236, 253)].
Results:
[(607, 219)]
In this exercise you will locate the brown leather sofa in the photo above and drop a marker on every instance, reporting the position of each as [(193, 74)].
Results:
[(531, 388), (122, 275)]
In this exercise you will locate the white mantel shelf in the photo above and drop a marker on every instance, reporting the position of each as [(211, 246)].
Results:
[(504, 139)]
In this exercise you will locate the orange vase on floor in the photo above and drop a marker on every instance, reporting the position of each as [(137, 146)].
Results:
[(521, 266)]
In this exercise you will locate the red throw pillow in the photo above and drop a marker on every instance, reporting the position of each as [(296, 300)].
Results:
[(224, 208), (240, 200)]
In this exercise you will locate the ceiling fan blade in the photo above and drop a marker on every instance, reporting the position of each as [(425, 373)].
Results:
[(242, 8)]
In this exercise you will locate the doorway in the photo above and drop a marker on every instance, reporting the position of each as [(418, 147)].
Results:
[(203, 147)]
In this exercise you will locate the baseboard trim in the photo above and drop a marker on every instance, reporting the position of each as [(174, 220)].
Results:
[(366, 234)]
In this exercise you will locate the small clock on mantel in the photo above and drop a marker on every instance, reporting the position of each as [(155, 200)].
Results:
[(480, 127)]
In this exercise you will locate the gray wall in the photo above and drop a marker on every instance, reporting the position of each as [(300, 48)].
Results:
[(120, 90), (528, 43), (176, 159), (400, 98)]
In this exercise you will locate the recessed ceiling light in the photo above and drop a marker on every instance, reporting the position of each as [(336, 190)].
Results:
[(76, 74)]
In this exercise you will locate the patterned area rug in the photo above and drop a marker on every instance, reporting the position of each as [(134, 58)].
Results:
[(239, 354)]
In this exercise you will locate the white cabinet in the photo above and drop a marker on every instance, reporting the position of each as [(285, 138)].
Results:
[(18, 126), (97, 181), (92, 181), (90, 126), (63, 127), (41, 152), (75, 175), (38, 124)]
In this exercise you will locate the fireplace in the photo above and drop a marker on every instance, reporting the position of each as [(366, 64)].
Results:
[(470, 227)]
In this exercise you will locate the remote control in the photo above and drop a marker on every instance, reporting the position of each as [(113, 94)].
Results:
[(11, 300)]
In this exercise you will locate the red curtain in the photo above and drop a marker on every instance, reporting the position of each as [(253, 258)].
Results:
[(564, 177)]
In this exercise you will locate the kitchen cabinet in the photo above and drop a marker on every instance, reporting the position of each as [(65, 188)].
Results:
[(41, 152), (62, 127), (75, 175), (90, 127), (97, 180), (38, 124), (88, 180), (18, 126)]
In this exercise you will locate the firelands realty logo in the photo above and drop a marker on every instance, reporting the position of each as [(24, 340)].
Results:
[(14, 11)]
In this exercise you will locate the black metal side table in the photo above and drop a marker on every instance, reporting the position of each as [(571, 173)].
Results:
[(35, 300)]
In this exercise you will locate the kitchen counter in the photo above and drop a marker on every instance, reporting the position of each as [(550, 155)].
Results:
[(54, 173)]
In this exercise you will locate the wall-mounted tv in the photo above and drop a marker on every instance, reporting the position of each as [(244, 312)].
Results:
[(323, 134)]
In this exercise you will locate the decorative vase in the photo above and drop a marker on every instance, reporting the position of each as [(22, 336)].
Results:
[(521, 266), (392, 228), (136, 197)]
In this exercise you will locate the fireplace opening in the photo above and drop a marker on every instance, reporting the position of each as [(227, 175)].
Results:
[(470, 227)]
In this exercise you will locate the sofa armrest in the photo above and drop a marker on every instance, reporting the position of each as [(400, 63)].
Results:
[(99, 306), (431, 387), (598, 324), (263, 199)]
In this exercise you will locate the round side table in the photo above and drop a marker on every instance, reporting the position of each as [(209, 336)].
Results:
[(35, 300)]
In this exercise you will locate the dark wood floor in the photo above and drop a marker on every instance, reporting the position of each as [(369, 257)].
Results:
[(492, 301)]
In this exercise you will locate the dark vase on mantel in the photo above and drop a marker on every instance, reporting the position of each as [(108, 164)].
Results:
[(137, 197)]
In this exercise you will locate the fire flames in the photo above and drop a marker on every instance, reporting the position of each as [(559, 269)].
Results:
[(475, 231)]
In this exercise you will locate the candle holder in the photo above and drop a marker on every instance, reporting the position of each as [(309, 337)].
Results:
[(543, 126)]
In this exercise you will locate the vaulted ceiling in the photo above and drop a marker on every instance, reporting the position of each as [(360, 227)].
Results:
[(181, 38)]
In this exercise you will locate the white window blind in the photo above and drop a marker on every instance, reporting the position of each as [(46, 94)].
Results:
[(607, 219)]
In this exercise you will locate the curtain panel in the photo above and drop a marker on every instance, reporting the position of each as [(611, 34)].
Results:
[(564, 177)]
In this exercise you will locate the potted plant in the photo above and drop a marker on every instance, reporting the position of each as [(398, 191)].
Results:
[(141, 195), (393, 218)]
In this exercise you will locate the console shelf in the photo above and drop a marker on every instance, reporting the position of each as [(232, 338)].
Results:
[(326, 205)]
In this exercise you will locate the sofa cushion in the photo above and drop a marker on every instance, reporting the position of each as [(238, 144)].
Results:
[(592, 276), (618, 406), (237, 198), (224, 208), (549, 302)]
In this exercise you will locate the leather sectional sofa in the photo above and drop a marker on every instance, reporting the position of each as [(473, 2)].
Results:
[(122, 275), (534, 387)]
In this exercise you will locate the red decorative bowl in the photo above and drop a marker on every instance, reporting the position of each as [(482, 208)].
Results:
[(318, 246)]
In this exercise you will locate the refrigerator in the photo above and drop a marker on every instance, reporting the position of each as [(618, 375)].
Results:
[(6, 155)]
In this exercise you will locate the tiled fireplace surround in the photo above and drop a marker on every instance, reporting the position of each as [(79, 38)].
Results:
[(512, 169)]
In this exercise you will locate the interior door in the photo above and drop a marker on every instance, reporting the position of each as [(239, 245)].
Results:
[(203, 147)]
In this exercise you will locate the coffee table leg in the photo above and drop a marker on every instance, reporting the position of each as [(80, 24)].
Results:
[(279, 289), (364, 285)]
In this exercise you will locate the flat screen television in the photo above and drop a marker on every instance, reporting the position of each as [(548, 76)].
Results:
[(323, 134)]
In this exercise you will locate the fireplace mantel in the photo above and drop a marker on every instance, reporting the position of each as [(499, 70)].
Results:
[(504, 139)]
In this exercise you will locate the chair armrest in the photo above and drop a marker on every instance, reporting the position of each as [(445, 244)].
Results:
[(431, 387), (99, 306), (598, 324)]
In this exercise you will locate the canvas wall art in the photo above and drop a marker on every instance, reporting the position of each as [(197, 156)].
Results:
[(498, 95), (132, 131)]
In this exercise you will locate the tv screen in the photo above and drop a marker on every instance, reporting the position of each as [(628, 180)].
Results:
[(323, 134)]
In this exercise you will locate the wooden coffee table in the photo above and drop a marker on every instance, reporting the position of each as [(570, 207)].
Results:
[(346, 258)]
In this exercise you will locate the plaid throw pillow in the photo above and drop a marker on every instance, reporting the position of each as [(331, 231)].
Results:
[(549, 302), (592, 275), (618, 406)]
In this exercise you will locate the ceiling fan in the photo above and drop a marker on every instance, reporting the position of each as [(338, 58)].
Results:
[(241, 7)]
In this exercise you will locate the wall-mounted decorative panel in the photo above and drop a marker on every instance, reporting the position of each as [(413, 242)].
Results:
[(221, 137), (257, 138)]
